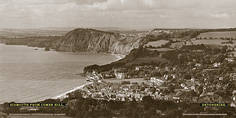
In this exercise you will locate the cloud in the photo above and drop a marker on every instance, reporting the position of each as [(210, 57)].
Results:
[(121, 13), (165, 4), (163, 16), (127, 4), (88, 2), (220, 15), (46, 2)]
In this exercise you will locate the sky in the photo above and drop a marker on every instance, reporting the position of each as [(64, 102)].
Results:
[(133, 14)]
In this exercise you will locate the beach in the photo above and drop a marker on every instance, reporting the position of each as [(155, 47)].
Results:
[(64, 95), (119, 56)]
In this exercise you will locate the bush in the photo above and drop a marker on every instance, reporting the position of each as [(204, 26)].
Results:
[(125, 82)]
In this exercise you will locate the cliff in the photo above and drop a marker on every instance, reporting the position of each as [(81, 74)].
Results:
[(84, 40), (98, 41)]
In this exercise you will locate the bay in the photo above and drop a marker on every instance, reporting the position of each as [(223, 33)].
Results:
[(29, 74)]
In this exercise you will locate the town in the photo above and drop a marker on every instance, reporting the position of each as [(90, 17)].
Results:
[(192, 74)]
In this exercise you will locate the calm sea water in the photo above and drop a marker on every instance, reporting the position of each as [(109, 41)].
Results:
[(28, 75)]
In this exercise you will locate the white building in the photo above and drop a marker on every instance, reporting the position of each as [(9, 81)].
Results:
[(156, 80), (120, 75), (216, 64)]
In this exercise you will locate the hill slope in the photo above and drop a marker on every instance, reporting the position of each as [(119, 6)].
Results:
[(98, 41)]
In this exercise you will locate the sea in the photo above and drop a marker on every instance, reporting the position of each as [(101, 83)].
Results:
[(30, 74)]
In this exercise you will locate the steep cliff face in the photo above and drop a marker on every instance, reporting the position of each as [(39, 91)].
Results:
[(98, 41), (126, 44)]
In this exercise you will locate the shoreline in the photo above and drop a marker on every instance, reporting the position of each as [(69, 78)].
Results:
[(64, 95), (118, 56)]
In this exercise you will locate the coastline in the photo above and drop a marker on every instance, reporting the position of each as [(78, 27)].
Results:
[(30, 89), (64, 95), (118, 56)]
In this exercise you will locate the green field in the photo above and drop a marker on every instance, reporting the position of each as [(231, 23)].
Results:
[(218, 35), (213, 42), (158, 43)]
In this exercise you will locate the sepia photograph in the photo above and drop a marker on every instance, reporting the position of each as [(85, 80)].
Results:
[(117, 59)]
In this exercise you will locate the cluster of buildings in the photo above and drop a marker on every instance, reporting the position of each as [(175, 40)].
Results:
[(202, 78)]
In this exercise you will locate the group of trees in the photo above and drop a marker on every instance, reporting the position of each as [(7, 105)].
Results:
[(184, 34), (134, 54), (201, 53), (147, 108)]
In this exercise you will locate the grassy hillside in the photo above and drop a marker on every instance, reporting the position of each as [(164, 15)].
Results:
[(218, 35)]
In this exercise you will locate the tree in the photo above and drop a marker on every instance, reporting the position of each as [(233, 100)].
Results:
[(91, 68), (187, 76), (147, 102)]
